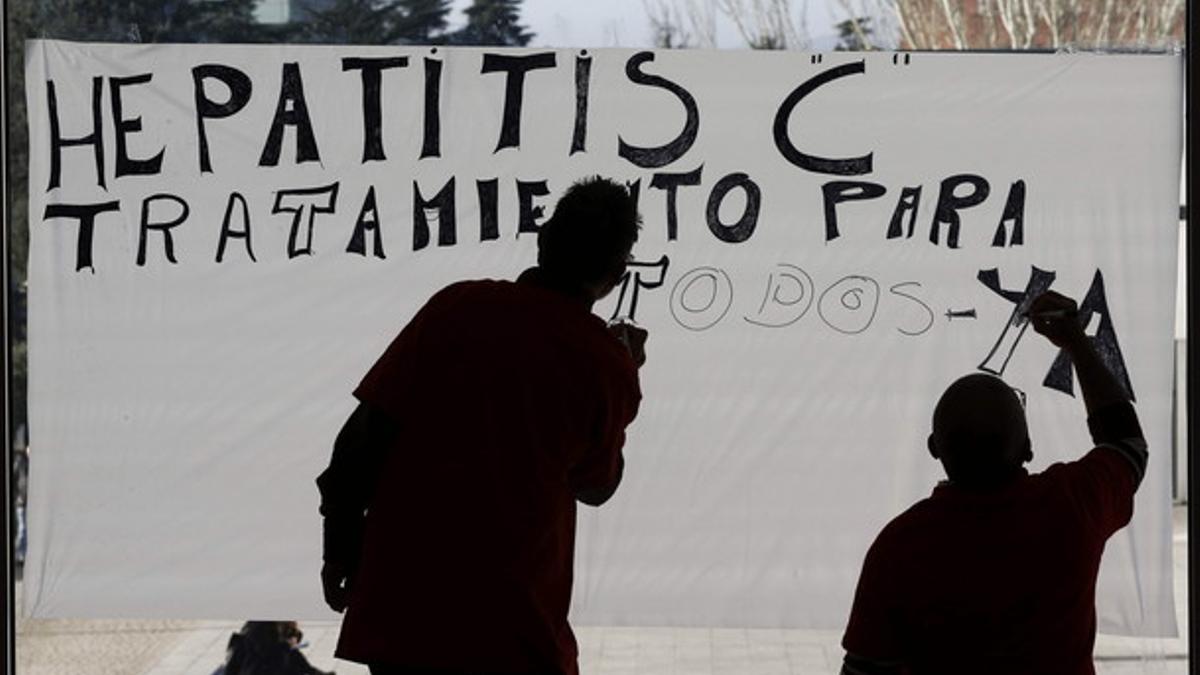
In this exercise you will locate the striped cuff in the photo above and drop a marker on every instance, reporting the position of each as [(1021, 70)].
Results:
[(1116, 426), (1134, 452)]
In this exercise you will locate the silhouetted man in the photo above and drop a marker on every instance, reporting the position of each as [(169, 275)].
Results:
[(449, 502), (996, 571)]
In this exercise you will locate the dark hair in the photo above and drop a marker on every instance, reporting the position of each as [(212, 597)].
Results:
[(594, 226)]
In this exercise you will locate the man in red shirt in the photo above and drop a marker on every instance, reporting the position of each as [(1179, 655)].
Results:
[(449, 502), (996, 571)]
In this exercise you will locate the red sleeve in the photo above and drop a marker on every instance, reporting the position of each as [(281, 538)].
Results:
[(872, 632), (601, 467), (1102, 486)]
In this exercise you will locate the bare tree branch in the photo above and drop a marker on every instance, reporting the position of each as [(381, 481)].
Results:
[(953, 24), (1025, 24), (767, 24), (691, 23)]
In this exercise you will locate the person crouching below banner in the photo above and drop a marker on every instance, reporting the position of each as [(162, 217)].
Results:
[(267, 648), (996, 571), (449, 501)]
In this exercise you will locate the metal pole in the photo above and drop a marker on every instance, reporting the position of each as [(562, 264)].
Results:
[(10, 637), (1192, 380)]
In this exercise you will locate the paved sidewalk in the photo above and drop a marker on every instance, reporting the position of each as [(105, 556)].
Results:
[(129, 647)]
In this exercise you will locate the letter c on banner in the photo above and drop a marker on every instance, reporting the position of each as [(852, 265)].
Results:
[(851, 166), (701, 298)]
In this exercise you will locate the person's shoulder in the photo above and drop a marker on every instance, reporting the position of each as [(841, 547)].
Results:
[(908, 524), (1100, 486), (466, 292), (916, 514), (1106, 459), (469, 287)]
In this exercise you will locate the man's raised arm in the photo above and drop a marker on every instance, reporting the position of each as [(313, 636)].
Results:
[(1111, 417)]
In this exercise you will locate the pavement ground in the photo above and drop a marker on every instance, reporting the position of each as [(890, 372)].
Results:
[(158, 647)]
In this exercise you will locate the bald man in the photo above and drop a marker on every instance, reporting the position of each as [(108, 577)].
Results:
[(995, 572)]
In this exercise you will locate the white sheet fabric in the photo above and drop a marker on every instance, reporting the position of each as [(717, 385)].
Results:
[(181, 410)]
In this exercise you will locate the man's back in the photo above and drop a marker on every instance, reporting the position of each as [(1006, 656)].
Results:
[(995, 582), (509, 399)]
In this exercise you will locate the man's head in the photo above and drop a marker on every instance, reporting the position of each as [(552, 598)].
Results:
[(586, 243), (979, 432)]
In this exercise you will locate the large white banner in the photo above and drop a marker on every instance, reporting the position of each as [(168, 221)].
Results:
[(224, 238)]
